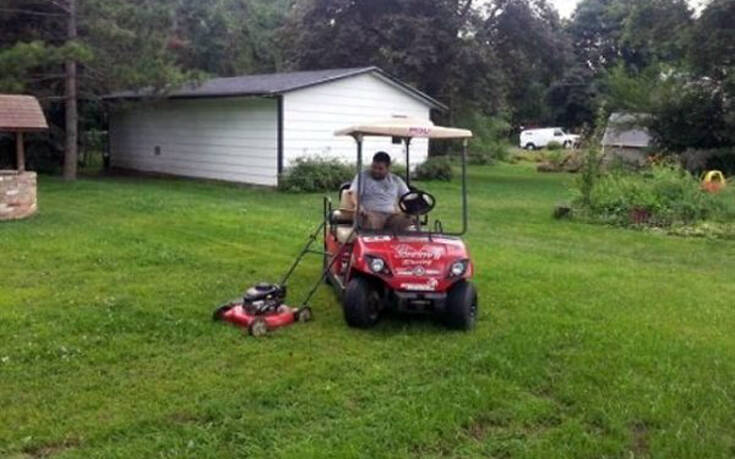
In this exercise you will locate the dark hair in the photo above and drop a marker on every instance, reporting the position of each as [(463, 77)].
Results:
[(382, 157)]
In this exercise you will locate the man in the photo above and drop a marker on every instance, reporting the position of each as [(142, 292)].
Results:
[(380, 193)]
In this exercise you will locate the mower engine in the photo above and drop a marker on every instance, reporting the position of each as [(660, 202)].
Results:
[(263, 298), (261, 310)]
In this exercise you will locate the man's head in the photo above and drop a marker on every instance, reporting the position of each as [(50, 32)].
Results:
[(381, 166)]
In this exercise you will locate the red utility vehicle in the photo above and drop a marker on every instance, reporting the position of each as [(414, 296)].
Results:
[(422, 270)]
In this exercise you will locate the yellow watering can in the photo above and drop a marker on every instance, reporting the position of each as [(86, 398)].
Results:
[(713, 181)]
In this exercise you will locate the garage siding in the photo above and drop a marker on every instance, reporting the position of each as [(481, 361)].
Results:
[(311, 116), (232, 139)]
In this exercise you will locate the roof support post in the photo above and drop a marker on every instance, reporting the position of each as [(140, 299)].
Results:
[(408, 162), (465, 143), (358, 198), (20, 152)]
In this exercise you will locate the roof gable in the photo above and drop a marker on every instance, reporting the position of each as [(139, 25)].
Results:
[(270, 84)]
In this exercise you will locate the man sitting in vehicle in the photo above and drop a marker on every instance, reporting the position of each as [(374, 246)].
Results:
[(381, 190)]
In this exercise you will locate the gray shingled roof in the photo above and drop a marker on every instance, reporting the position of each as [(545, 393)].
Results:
[(625, 130), (269, 84)]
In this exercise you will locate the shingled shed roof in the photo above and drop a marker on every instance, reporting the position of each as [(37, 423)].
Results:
[(272, 84), (21, 113)]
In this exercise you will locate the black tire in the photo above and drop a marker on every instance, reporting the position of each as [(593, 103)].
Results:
[(461, 306), (530, 146), (567, 144), (258, 328), (361, 303), (305, 315)]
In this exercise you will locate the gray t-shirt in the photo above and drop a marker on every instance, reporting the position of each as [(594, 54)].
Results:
[(380, 195)]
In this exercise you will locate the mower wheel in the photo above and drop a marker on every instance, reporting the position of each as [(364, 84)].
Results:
[(258, 328), (220, 312), (304, 315), (461, 306), (361, 303)]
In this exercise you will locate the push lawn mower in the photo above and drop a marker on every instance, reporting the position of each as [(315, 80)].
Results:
[(262, 307)]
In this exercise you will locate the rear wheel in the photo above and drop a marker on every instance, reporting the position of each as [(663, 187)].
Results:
[(220, 312), (361, 303), (461, 307), (304, 315), (530, 146), (567, 144)]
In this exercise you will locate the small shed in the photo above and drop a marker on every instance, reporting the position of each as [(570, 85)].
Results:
[(249, 129), (626, 138), (19, 114)]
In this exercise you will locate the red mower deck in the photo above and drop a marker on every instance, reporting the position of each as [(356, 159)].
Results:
[(260, 324)]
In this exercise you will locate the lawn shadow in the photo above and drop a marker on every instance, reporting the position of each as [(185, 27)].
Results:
[(395, 322)]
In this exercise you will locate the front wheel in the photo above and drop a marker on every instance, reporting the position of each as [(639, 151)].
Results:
[(567, 144), (361, 303), (530, 146), (461, 307)]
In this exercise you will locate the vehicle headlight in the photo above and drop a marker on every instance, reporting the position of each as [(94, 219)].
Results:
[(458, 268), (377, 265)]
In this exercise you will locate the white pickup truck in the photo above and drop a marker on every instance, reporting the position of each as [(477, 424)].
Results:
[(532, 139)]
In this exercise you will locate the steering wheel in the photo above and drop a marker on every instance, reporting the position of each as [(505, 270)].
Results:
[(416, 202)]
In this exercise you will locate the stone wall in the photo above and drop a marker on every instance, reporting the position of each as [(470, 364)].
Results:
[(17, 194)]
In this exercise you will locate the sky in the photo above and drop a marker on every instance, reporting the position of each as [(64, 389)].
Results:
[(566, 7)]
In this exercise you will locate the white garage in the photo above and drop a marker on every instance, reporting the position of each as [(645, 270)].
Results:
[(249, 129)]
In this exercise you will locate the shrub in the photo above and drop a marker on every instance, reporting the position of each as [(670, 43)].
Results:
[(665, 196), (311, 174), (480, 159), (399, 170), (488, 143), (435, 168), (554, 145)]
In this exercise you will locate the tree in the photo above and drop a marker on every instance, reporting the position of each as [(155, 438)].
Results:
[(105, 46), (712, 47), (573, 99), (532, 52), (638, 33), (430, 44)]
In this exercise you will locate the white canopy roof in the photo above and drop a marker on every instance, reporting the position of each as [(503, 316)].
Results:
[(406, 127)]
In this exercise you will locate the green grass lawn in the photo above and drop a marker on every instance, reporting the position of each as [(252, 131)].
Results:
[(592, 341)]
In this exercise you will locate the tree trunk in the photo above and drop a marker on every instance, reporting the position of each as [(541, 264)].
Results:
[(19, 152), (72, 117)]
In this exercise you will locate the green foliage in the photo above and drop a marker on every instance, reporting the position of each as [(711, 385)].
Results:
[(19, 60), (554, 145), (311, 174), (463, 53), (488, 143), (712, 44), (434, 168), (665, 196), (682, 111)]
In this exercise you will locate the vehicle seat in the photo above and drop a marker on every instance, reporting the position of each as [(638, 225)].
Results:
[(345, 213), (343, 217), (344, 234)]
